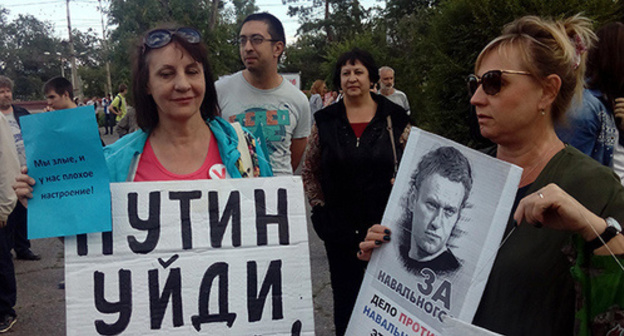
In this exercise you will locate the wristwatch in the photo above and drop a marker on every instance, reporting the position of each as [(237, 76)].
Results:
[(612, 230)]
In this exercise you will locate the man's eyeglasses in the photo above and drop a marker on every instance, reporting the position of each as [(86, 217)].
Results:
[(254, 39), (161, 37), (491, 80)]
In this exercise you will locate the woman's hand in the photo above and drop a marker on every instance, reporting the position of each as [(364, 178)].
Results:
[(554, 208), (376, 235), (23, 186), (618, 111)]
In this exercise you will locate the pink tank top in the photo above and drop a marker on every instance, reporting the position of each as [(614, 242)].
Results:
[(150, 169)]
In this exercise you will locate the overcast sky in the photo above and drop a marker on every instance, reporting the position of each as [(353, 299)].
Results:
[(85, 14)]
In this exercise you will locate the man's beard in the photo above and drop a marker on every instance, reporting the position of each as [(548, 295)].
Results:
[(382, 86), (5, 104)]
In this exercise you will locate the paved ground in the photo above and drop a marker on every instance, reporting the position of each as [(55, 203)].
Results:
[(41, 305)]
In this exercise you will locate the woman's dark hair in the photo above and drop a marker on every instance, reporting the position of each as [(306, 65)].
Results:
[(145, 106), (605, 62), (351, 57)]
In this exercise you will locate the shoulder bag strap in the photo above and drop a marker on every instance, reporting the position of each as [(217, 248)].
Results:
[(394, 152)]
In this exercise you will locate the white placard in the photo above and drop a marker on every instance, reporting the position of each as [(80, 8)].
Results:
[(294, 79), (409, 286), (206, 257)]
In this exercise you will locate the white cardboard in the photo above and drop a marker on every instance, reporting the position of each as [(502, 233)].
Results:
[(290, 259), (396, 301)]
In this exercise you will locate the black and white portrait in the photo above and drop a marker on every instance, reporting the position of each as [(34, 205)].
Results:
[(446, 215), (438, 192)]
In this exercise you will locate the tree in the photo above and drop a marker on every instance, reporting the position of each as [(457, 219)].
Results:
[(134, 18), (22, 51), (435, 46)]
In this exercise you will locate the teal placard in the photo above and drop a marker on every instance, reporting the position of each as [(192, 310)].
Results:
[(72, 190)]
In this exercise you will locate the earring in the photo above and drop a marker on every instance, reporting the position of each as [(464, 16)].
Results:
[(543, 112)]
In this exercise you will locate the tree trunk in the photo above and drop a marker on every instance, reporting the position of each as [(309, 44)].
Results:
[(213, 15)]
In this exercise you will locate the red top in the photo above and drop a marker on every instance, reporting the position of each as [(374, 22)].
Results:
[(150, 169), (359, 128)]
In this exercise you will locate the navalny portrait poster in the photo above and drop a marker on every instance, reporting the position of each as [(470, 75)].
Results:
[(447, 212)]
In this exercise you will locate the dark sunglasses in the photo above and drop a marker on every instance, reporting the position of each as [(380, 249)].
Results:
[(161, 37), (491, 80)]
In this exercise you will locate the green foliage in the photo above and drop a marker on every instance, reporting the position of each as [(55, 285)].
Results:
[(22, 48), (434, 49)]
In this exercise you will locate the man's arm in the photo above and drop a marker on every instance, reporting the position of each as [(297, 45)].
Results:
[(297, 147), (114, 106)]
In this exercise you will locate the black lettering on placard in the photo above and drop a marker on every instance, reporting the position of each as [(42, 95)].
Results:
[(158, 302), (273, 281), (217, 225), (215, 270), (429, 279), (107, 243), (81, 244), (443, 293), (123, 307), (83, 247), (151, 224), (263, 219), (185, 198), (296, 328)]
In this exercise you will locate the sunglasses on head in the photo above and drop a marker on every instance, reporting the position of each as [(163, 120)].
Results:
[(161, 37), (491, 80)]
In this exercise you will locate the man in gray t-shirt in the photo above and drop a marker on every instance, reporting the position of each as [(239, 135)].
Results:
[(260, 99), (386, 84)]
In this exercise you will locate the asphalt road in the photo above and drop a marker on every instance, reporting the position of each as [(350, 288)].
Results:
[(41, 304)]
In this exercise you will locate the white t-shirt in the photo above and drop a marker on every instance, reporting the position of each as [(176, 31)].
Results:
[(274, 116), (399, 98), (618, 160), (17, 138)]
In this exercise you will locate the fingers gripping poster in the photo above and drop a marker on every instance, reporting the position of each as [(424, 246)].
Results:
[(447, 213), (227, 257)]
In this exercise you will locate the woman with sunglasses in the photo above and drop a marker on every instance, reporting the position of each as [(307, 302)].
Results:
[(181, 136), (352, 155), (553, 275)]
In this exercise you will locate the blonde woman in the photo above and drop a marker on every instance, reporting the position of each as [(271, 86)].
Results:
[(553, 275)]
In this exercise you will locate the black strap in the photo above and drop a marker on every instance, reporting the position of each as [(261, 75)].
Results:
[(394, 152)]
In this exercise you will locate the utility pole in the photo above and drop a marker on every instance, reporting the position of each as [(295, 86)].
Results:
[(105, 47), (213, 15), (74, 70), (327, 28)]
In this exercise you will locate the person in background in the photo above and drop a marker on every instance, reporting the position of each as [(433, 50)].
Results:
[(317, 91), (109, 120), (351, 159), (590, 128), (59, 94), (9, 169), (605, 80), (119, 106), (261, 99), (127, 124), (559, 271), (329, 98), (387, 89), (18, 221)]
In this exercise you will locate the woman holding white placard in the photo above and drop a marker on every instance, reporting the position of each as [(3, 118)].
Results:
[(557, 272)]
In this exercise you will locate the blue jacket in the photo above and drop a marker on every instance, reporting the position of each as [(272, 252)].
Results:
[(591, 129), (122, 157)]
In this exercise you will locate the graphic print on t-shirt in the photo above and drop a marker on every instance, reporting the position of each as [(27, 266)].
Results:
[(269, 126)]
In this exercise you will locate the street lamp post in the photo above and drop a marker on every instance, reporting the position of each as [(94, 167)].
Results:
[(60, 59)]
